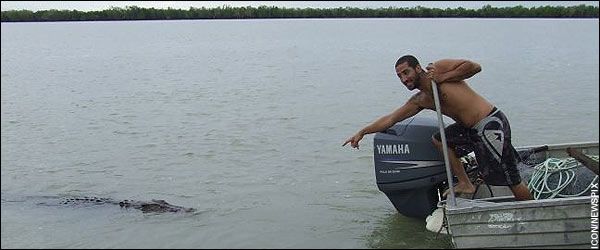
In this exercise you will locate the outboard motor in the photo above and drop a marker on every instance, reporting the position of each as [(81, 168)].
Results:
[(408, 167)]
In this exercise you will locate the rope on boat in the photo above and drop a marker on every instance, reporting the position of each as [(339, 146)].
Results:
[(564, 168)]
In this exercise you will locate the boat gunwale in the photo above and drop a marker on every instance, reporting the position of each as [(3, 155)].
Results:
[(486, 206), (557, 146)]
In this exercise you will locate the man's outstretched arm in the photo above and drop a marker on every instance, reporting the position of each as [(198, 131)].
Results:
[(409, 109), (453, 70)]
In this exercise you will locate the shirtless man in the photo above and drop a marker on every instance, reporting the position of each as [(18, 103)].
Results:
[(479, 125)]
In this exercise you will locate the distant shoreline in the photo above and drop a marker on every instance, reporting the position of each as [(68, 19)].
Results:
[(306, 18), (132, 13)]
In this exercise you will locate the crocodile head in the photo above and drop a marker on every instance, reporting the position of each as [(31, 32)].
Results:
[(155, 206)]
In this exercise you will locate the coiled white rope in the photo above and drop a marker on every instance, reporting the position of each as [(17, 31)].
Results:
[(564, 168)]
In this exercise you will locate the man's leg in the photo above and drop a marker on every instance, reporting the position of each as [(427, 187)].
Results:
[(521, 192), (464, 185)]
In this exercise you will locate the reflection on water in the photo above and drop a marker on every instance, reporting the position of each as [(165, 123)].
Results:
[(397, 231)]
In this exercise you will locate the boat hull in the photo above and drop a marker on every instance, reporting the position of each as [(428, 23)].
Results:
[(563, 222), (502, 222)]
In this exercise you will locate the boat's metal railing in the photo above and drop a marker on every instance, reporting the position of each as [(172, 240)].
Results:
[(438, 109)]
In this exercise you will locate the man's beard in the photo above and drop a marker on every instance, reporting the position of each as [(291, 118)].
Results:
[(417, 81)]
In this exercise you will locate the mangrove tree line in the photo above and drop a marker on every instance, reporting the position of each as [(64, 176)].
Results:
[(228, 12)]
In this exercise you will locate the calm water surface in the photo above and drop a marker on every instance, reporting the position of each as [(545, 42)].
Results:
[(244, 120)]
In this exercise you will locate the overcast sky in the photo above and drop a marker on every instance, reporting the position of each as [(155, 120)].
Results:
[(100, 5)]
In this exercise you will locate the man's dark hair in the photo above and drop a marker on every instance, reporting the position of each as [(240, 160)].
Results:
[(412, 61)]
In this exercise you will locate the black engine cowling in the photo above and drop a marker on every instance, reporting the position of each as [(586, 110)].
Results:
[(408, 167)]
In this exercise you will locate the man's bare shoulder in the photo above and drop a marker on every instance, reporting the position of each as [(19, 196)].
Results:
[(417, 99), (447, 64), (421, 100), (447, 61)]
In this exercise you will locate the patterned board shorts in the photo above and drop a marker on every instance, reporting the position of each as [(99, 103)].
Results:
[(490, 140)]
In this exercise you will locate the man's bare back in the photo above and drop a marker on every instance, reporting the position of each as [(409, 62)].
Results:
[(458, 101)]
